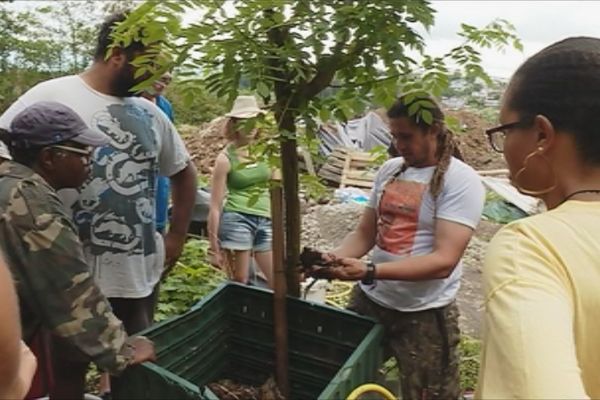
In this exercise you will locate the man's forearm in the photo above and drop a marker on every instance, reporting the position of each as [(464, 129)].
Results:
[(417, 268), (183, 188)]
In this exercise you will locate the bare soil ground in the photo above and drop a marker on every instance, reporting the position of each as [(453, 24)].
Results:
[(204, 143), (474, 144), (470, 297)]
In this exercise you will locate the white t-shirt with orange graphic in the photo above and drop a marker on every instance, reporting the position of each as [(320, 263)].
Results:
[(405, 228)]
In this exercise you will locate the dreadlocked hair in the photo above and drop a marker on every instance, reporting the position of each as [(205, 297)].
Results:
[(562, 83), (446, 145)]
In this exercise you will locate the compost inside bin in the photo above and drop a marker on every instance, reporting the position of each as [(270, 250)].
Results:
[(227, 389)]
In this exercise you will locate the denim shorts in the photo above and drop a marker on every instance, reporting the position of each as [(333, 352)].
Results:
[(240, 231)]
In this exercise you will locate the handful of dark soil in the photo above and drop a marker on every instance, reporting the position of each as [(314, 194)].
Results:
[(310, 258), (315, 264)]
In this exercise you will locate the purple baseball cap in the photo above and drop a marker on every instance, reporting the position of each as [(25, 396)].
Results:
[(47, 122)]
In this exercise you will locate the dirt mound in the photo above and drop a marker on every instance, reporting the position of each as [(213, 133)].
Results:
[(204, 143), (473, 143)]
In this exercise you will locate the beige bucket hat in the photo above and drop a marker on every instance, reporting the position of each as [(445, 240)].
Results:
[(245, 107)]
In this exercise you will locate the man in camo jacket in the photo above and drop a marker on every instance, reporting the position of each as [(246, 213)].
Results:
[(51, 146)]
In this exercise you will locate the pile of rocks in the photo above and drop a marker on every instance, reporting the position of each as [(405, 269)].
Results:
[(325, 226)]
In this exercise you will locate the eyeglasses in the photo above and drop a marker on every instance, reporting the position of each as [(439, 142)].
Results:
[(497, 135), (85, 154)]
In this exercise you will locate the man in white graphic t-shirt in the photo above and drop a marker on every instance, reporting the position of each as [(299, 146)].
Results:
[(114, 210), (423, 209)]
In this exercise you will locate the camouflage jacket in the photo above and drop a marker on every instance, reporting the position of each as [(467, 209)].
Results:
[(55, 288)]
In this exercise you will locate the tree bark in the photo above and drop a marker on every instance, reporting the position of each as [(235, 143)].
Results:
[(280, 291), (289, 169)]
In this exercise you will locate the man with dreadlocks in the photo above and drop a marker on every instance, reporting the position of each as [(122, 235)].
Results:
[(423, 209)]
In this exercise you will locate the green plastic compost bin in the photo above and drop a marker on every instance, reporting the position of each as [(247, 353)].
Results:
[(229, 335)]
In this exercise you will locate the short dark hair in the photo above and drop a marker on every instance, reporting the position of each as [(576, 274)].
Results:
[(105, 40), (562, 82), (28, 156)]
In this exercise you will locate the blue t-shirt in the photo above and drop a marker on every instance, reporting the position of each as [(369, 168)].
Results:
[(162, 183)]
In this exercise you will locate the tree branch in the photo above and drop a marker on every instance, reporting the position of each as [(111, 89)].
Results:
[(328, 66), (357, 84)]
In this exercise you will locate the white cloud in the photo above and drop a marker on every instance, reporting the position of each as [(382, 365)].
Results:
[(537, 23)]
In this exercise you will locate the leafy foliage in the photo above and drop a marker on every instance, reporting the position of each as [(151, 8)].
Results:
[(191, 279), (470, 354), (45, 40), (289, 52), (192, 103), (469, 360)]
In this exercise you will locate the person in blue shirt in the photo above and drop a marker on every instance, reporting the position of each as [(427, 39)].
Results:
[(155, 95)]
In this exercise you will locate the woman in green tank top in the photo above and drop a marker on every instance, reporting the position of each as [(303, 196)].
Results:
[(239, 220)]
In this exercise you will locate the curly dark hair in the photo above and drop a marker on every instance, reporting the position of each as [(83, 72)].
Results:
[(104, 40)]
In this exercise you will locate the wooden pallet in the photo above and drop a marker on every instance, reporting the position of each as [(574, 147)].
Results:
[(348, 167)]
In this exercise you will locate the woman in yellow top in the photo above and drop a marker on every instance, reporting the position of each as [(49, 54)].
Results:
[(542, 273), (239, 219)]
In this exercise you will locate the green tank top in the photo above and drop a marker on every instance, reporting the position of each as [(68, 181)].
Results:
[(244, 184)]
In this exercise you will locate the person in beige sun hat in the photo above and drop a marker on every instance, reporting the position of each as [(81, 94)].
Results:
[(245, 107), (239, 222)]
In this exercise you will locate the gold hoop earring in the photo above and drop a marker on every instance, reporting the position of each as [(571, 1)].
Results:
[(537, 152)]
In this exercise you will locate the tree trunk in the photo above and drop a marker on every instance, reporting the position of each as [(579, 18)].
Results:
[(289, 169), (279, 291)]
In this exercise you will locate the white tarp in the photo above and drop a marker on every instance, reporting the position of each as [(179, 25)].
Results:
[(508, 192), (362, 134)]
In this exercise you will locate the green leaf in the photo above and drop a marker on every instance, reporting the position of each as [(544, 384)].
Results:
[(324, 114), (427, 116), (452, 123), (263, 90), (413, 108)]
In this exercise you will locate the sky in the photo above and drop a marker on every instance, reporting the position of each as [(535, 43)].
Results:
[(538, 24)]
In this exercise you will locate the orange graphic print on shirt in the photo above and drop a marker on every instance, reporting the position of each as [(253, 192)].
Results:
[(399, 208)]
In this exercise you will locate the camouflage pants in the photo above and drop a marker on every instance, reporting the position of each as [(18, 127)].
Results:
[(424, 343)]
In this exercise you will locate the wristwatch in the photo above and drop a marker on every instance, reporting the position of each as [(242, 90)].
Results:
[(370, 275)]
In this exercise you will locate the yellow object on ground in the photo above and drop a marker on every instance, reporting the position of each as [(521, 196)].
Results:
[(338, 294), (371, 388)]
